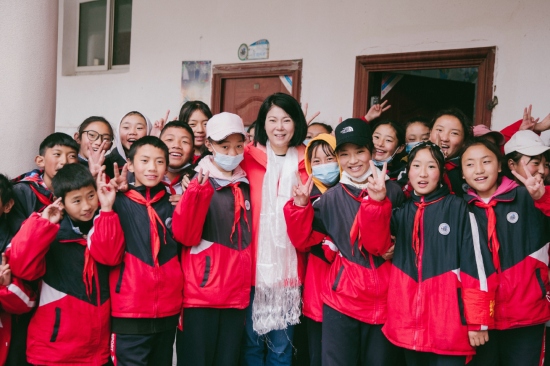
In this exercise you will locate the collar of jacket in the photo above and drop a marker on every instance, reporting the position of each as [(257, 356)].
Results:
[(434, 196), (69, 232), (356, 192), (154, 190), (259, 153), (506, 191)]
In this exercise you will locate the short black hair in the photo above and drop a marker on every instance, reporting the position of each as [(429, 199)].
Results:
[(328, 128), (418, 119), (437, 154), (148, 140), (179, 124), (70, 178), (57, 139), (292, 108), (458, 114), (253, 125), (190, 107), (92, 119), (476, 141), (398, 128), (314, 145), (6, 190)]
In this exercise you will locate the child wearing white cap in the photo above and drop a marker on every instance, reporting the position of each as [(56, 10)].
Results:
[(212, 221), (524, 147)]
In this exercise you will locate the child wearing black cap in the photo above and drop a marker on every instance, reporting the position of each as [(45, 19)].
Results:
[(355, 291)]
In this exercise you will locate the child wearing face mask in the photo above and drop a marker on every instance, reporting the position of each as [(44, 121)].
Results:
[(440, 301), (513, 233), (213, 221), (417, 129)]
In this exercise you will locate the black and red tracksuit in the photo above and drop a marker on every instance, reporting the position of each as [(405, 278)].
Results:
[(72, 323), (439, 288), (146, 284), (213, 222), (357, 282), (15, 299), (514, 236)]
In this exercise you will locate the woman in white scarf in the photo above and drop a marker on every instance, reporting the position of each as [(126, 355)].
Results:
[(271, 163)]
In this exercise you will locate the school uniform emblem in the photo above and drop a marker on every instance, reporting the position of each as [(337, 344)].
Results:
[(444, 229), (168, 223), (512, 217), (247, 205)]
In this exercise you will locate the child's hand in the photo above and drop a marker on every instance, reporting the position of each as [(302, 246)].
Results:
[(185, 182), (478, 338), (121, 179), (54, 212), (301, 192), (175, 198), (534, 185), (376, 110), (5, 272), (96, 159), (160, 123), (528, 122), (389, 254), (376, 187), (106, 192), (202, 179), (310, 119)]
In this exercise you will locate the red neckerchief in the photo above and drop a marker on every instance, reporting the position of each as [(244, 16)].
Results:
[(89, 265), (419, 214), (493, 243), (171, 184), (354, 233), (38, 180), (153, 217), (239, 204)]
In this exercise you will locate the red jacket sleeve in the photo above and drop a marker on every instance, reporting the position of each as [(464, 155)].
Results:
[(17, 298), (509, 131), (106, 239), (299, 226), (543, 203), (374, 225), (29, 247), (190, 213), (330, 249)]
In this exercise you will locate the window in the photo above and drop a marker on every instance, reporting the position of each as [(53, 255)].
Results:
[(104, 30)]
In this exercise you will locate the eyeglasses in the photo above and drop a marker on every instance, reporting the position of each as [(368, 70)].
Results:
[(93, 135)]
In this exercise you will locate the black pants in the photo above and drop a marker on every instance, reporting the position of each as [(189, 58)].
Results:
[(143, 349), (314, 336), (415, 358), (210, 337), (518, 347), (348, 341), (300, 356), (546, 345)]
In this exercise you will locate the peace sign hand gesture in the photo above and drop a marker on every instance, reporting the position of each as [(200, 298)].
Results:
[(528, 122), (534, 185), (5, 272), (159, 124), (121, 179), (310, 119), (376, 187), (302, 192), (106, 192), (54, 212), (202, 179), (376, 111)]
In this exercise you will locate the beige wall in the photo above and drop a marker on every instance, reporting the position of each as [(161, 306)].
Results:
[(327, 35), (28, 61)]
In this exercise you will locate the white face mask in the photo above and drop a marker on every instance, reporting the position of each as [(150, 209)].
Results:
[(227, 162)]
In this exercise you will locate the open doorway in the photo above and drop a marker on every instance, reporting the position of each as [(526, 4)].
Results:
[(421, 83)]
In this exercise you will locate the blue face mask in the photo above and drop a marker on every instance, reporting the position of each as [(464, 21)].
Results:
[(307, 141), (328, 173), (410, 145), (227, 162)]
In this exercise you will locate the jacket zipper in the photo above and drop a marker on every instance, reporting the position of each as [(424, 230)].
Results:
[(419, 291), (376, 288)]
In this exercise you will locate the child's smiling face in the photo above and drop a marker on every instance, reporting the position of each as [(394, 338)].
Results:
[(54, 159), (451, 135), (354, 159), (99, 129), (81, 204), (424, 173), (149, 166), (132, 128), (480, 167), (180, 146)]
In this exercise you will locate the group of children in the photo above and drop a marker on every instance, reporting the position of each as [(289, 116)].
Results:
[(425, 245)]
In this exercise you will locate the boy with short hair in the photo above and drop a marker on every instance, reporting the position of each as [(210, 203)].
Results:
[(33, 190), (15, 296), (147, 284), (72, 322)]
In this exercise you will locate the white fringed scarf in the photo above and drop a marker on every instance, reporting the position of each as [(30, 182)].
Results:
[(277, 299)]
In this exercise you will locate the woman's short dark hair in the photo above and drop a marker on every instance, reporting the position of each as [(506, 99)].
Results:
[(458, 114), (437, 154), (418, 119), (91, 120), (292, 108), (314, 145), (327, 128), (148, 140), (397, 127), (70, 178), (516, 157), (189, 108)]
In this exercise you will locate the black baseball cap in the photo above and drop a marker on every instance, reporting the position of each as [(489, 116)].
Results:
[(355, 131)]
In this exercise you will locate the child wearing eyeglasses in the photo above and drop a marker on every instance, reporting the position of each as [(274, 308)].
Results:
[(95, 137)]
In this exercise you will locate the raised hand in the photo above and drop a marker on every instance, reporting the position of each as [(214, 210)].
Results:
[(202, 179), (106, 192), (302, 192), (96, 159), (54, 212), (5, 272), (376, 110), (121, 179), (534, 185), (159, 125), (185, 182), (310, 119), (528, 122), (376, 186), (543, 125)]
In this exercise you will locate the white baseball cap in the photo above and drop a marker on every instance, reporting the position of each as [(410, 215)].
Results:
[(224, 124), (527, 143)]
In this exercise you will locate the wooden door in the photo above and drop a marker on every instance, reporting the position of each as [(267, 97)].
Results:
[(244, 96)]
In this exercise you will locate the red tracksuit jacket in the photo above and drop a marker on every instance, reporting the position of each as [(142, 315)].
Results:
[(71, 324), (357, 282), (213, 222), (521, 239), (439, 288)]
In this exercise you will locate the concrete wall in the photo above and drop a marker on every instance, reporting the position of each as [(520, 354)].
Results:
[(28, 61), (327, 35)]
